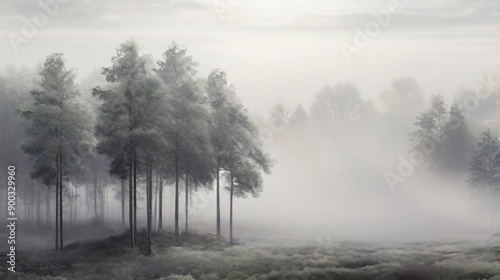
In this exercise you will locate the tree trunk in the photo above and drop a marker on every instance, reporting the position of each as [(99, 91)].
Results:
[(492, 216), (57, 202), (155, 216), (80, 206), (187, 199), (135, 195), (123, 203), (95, 198), (75, 207), (131, 163), (38, 208), (176, 195), (47, 208), (149, 187), (218, 200), (160, 211), (130, 203), (103, 197), (70, 204), (231, 210), (61, 201)]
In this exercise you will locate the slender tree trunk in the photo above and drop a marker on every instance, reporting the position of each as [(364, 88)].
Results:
[(30, 209), (130, 203), (26, 212), (38, 207), (75, 210), (95, 198), (218, 200), (39, 213), (176, 195), (80, 206), (106, 204), (231, 210), (47, 208), (57, 202), (155, 216), (70, 204), (135, 195), (123, 203), (187, 199), (131, 163), (87, 204), (160, 211), (101, 200), (103, 197), (492, 216), (150, 202), (61, 200)]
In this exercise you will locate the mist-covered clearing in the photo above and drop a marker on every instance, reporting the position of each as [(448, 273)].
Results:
[(202, 256)]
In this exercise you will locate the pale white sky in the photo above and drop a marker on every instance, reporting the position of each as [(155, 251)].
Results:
[(273, 50)]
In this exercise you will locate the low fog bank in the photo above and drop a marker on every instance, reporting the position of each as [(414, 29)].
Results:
[(361, 183), (311, 210)]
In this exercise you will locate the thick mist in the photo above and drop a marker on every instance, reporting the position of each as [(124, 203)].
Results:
[(337, 188), (249, 139)]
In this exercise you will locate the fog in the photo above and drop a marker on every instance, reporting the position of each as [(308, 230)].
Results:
[(378, 120), (265, 46), (340, 192)]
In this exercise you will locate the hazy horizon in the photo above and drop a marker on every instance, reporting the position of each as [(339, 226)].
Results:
[(274, 51)]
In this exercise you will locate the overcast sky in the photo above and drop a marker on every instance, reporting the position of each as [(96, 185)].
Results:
[(272, 50)]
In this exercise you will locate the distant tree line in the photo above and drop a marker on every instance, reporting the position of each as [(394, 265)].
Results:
[(453, 139)]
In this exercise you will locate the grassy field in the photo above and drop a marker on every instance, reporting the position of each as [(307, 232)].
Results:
[(202, 256)]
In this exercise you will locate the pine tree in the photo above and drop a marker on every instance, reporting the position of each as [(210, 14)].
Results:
[(60, 135), (234, 137), (484, 170), (485, 165), (458, 142), (191, 115), (430, 130), (133, 118)]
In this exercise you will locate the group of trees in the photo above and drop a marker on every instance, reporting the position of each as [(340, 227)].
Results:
[(445, 139), (447, 135), (152, 124), (155, 123)]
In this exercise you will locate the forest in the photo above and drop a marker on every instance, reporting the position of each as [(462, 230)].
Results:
[(107, 163)]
